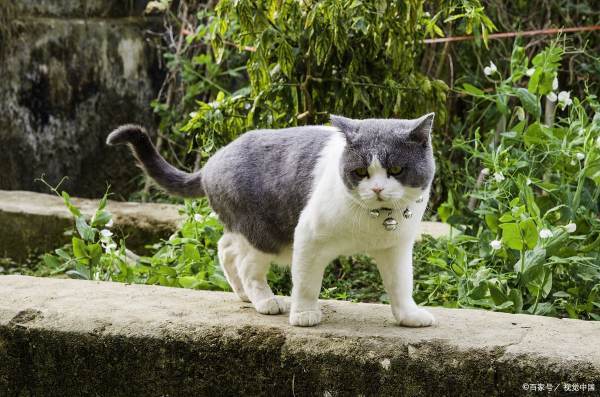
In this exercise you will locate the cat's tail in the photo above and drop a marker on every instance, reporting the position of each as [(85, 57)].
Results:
[(164, 174)]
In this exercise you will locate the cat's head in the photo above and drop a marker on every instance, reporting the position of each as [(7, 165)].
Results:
[(386, 161)]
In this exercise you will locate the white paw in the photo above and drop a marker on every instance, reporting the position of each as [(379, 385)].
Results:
[(416, 317), (305, 319), (272, 306)]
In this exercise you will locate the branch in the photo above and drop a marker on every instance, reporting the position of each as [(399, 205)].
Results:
[(515, 34)]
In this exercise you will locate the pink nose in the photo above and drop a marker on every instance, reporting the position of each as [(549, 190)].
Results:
[(377, 190)]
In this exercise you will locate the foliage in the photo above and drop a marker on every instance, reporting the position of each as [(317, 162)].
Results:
[(463, 62), (469, 14), (530, 235), (187, 259)]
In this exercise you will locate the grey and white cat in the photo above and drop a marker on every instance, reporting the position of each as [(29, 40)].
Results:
[(305, 195)]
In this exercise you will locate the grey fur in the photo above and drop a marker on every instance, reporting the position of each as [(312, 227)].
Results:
[(259, 183), (403, 143), (166, 176)]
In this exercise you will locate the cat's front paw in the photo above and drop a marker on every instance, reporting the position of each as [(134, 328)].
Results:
[(308, 318), (415, 317), (272, 306)]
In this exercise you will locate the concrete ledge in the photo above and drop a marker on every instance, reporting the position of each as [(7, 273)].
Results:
[(35, 221), (70, 337)]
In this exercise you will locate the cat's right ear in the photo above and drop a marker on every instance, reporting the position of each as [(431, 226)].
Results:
[(348, 126)]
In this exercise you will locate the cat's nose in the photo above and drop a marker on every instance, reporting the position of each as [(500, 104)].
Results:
[(377, 190)]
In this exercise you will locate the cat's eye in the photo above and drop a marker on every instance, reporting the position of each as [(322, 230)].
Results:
[(362, 172), (396, 170)]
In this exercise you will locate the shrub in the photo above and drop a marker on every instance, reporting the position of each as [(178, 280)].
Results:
[(528, 230)]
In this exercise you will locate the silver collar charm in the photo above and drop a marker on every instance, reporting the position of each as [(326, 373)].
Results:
[(390, 223)]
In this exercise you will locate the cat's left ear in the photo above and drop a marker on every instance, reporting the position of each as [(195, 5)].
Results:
[(348, 126), (422, 129)]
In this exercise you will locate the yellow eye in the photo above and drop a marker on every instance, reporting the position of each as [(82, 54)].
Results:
[(362, 172), (394, 170)]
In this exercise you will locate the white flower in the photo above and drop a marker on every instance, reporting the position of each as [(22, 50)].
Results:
[(198, 217), (564, 97), (528, 182), (555, 84), (106, 233), (426, 14), (545, 233), (109, 224), (552, 97), (496, 244), (499, 177), (247, 106), (109, 247), (530, 72), (485, 171), (570, 227), (580, 156), (520, 113), (490, 70), (193, 114)]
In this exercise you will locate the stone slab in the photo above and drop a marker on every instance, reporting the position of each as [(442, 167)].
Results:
[(71, 337), (36, 222)]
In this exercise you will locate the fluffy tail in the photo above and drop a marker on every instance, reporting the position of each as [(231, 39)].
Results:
[(164, 174)]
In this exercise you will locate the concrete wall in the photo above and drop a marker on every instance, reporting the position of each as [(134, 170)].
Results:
[(36, 222), (81, 338), (71, 71)]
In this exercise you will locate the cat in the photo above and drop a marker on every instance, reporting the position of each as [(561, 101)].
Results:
[(302, 196)]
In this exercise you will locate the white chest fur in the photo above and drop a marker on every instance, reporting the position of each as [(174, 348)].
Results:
[(342, 222)]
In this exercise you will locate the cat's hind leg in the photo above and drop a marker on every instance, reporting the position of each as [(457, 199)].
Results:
[(229, 258), (252, 267)]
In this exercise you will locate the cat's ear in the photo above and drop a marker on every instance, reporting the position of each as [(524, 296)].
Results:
[(348, 126), (422, 129)]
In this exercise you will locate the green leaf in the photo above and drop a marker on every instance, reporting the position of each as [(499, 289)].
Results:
[(529, 232), (534, 81), (85, 231), (506, 217), (479, 292), (530, 102), (74, 210), (537, 134), (511, 236), (79, 248), (533, 258), (517, 298), (497, 295), (491, 221), (51, 261), (188, 281), (95, 253), (471, 89), (101, 218), (77, 274)]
